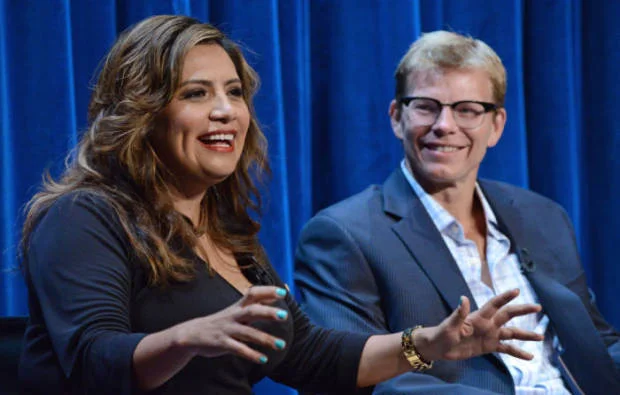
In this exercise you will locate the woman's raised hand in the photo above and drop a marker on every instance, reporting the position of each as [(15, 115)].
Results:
[(228, 331), (464, 335)]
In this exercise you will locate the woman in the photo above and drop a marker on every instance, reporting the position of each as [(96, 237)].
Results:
[(143, 264)]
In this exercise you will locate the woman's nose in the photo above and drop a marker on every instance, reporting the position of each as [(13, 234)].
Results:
[(222, 108)]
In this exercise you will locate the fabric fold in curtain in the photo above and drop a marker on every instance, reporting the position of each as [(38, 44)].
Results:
[(327, 80)]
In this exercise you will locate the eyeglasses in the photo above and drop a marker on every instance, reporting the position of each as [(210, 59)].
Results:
[(468, 114)]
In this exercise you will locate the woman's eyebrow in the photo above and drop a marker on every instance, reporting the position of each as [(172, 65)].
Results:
[(209, 83)]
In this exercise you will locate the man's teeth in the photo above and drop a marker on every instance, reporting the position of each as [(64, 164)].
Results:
[(443, 148)]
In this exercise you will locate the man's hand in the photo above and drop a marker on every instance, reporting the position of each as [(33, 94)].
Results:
[(463, 335)]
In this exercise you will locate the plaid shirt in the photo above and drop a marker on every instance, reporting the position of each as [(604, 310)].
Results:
[(538, 376)]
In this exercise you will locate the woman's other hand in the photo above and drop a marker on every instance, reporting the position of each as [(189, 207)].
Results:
[(229, 332)]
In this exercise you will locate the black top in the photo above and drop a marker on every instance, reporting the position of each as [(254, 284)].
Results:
[(90, 306)]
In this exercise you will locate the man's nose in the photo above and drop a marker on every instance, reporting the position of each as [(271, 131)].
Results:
[(445, 120)]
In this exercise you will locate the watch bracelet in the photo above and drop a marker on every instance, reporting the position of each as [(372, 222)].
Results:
[(411, 354)]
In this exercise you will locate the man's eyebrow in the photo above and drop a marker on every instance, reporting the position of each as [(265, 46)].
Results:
[(208, 83)]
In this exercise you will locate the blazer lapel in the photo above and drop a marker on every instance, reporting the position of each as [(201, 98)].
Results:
[(420, 236), (567, 314), (578, 335)]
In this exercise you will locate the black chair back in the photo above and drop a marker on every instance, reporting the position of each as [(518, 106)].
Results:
[(11, 336)]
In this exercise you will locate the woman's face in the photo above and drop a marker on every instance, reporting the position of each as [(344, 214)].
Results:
[(201, 133)]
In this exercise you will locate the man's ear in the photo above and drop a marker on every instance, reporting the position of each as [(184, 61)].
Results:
[(499, 121), (395, 115)]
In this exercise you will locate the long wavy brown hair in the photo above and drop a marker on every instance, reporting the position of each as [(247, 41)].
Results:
[(115, 160)]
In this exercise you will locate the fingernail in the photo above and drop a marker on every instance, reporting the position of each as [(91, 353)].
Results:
[(281, 292), (460, 302), (282, 314), (262, 359), (280, 344)]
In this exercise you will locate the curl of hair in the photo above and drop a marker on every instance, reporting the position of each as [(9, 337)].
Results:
[(116, 161)]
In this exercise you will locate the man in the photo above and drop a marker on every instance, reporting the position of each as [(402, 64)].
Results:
[(401, 254)]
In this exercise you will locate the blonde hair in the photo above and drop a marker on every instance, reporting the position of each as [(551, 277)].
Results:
[(441, 50), (116, 161)]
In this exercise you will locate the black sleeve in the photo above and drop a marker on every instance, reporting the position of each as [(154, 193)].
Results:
[(319, 359), (78, 267)]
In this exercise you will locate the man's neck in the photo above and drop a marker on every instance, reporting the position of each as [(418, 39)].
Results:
[(458, 200), (461, 201)]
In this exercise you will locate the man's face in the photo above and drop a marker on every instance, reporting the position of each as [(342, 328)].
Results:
[(445, 154)]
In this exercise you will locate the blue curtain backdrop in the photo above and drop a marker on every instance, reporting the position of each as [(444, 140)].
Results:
[(326, 68)]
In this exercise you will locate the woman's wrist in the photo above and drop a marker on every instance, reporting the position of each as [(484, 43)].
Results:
[(179, 341), (160, 355)]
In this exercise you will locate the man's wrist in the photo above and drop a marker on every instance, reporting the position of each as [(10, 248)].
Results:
[(423, 344)]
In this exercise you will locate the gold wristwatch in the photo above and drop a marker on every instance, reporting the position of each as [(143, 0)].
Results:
[(416, 361)]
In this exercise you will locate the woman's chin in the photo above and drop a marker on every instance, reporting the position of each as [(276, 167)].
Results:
[(216, 177)]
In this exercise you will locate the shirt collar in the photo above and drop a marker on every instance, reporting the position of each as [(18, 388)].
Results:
[(443, 220)]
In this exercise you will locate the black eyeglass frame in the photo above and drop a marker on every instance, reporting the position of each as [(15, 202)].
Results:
[(488, 107)]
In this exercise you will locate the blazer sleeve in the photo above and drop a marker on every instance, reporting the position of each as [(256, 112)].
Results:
[(79, 271), (579, 285), (338, 290)]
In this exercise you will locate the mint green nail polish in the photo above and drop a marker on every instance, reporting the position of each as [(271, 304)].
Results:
[(282, 314), (281, 292), (263, 359), (280, 344)]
